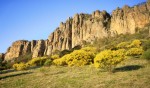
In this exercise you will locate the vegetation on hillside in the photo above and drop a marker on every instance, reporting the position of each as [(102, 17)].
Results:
[(69, 68)]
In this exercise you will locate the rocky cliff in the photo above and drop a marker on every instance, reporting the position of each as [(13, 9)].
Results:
[(85, 27), (129, 19)]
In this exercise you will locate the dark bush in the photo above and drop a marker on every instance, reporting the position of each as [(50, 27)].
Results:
[(146, 55), (48, 62), (146, 45)]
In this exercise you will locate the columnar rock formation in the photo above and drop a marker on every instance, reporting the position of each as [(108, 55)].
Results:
[(19, 48), (128, 19), (85, 27)]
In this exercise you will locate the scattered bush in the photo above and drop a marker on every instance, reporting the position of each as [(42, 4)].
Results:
[(20, 66), (89, 49), (53, 57), (64, 52), (39, 61), (123, 45), (136, 43), (48, 62), (76, 58), (61, 61), (135, 51), (108, 59), (23, 58), (80, 58), (146, 55), (146, 45)]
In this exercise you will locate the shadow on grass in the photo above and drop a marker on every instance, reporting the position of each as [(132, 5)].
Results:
[(60, 72), (128, 68), (6, 71), (13, 75), (34, 67)]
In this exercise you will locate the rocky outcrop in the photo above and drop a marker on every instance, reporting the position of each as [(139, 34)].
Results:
[(61, 38), (19, 48), (85, 28), (39, 48), (129, 19)]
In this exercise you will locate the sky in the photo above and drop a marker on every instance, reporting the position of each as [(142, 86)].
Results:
[(37, 19)]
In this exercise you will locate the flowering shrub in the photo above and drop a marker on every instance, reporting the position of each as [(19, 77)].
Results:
[(80, 58), (61, 61), (39, 61), (53, 57), (134, 51), (108, 59), (123, 45), (20, 66), (136, 43), (76, 58), (89, 49)]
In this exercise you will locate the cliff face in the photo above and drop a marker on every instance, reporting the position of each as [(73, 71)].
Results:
[(128, 19), (85, 27), (19, 48)]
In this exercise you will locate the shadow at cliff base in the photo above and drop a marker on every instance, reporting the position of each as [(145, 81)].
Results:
[(128, 68), (13, 75)]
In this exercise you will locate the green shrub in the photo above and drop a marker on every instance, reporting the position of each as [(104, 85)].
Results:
[(108, 59), (39, 61), (146, 45), (146, 55), (80, 58), (23, 58), (48, 62), (64, 52), (20, 66), (135, 51)]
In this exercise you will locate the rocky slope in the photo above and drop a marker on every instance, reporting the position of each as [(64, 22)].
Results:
[(85, 28)]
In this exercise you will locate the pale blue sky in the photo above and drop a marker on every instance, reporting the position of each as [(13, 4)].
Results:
[(36, 19)]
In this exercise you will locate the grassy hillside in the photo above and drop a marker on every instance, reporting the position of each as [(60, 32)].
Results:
[(133, 73), (75, 68)]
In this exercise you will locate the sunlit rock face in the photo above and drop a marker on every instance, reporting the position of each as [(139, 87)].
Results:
[(85, 28), (128, 19), (17, 49)]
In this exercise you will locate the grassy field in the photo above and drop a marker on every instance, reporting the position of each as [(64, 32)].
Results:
[(133, 73)]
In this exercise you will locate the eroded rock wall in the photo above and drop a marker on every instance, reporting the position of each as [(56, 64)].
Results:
[(85, 27), (129, 19)]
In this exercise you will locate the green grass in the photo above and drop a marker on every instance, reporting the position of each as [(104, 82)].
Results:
[(133, 73)]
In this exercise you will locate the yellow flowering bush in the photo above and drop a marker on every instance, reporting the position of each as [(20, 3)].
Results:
[(53, 57), (61, 61), (108, 59), (136, 43), (89, 49), (20, 66), (123, 45), (134, 51), (80, 58)]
